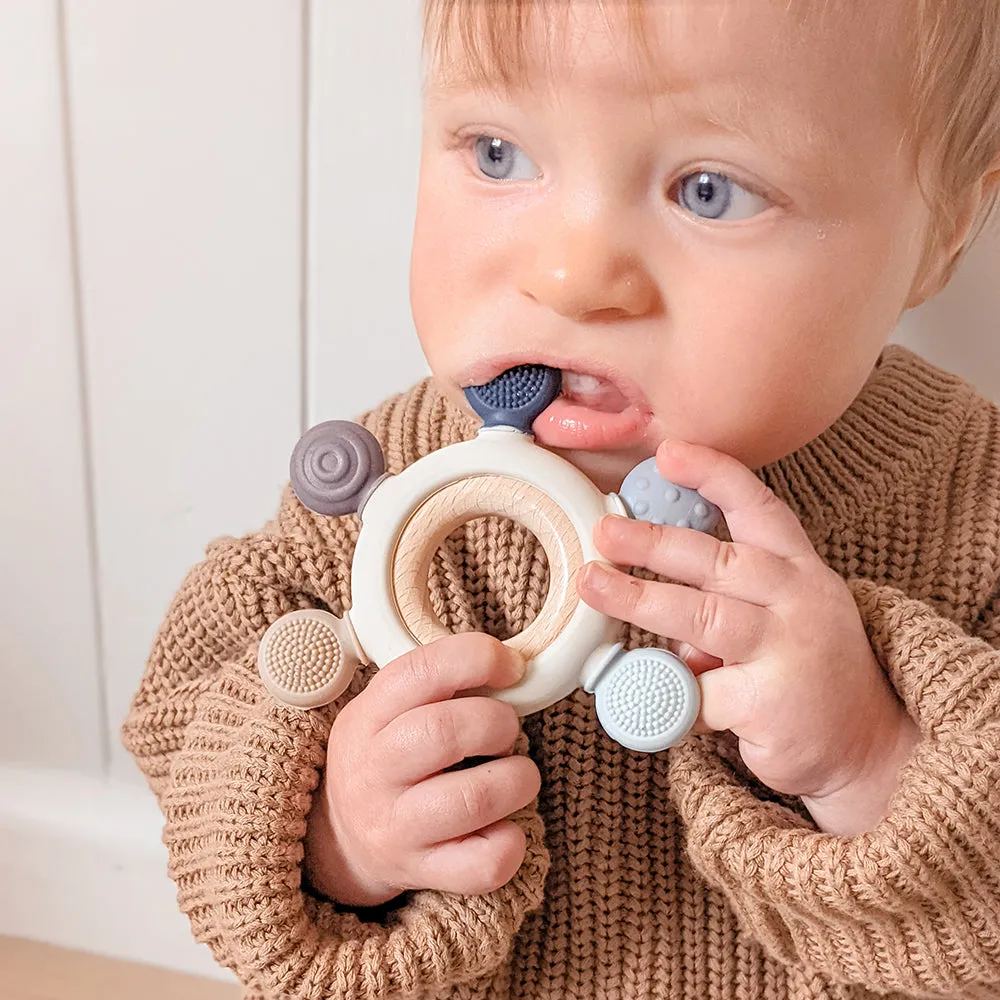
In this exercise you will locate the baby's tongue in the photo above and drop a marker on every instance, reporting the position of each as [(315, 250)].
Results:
[(593, 392)]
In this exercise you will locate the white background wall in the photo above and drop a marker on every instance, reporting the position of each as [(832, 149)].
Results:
[(205, 211)]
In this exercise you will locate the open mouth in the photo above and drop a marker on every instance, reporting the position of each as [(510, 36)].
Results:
[(598, 410), (594, 393)]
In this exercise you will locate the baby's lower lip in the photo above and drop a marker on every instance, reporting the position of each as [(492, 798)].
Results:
[(572, 426)]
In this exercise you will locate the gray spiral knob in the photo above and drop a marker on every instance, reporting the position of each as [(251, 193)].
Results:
[(335, 466)]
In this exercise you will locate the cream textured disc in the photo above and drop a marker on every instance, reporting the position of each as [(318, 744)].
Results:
[(302, 661)]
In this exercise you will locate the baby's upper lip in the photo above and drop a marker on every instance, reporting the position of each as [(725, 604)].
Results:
[(487, 369)]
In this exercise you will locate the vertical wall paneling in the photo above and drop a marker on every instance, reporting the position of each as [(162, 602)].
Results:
[(364, 140), (50, 712), (187, 121), (960, 329)]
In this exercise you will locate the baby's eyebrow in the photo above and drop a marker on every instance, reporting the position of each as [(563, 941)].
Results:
[(779, 126), (439, 88)]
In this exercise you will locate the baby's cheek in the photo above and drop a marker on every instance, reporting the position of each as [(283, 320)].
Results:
[(430, 304)]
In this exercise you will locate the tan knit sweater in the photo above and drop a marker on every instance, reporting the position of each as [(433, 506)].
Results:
[(672, 875)]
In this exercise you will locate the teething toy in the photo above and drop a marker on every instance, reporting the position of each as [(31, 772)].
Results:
[(646, 699)]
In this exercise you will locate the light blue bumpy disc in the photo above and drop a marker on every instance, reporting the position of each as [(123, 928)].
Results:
[(647, 699), (650, 497)]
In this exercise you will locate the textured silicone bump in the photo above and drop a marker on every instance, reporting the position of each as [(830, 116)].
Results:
[(647, 699), (517, 397), (650, 497), (302, 661), (334, 467)]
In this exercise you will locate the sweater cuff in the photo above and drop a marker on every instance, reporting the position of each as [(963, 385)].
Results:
[(913, 905), (235, 811)]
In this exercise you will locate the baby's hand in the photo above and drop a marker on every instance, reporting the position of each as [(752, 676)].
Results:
[(776, 638), (388, 816)]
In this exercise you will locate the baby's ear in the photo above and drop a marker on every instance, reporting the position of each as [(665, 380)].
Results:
[(939, 263), (991, 182)]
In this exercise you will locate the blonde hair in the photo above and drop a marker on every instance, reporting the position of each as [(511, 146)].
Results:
[(955, 86)]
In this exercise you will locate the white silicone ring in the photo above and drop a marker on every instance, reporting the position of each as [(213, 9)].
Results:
[(556, 671)]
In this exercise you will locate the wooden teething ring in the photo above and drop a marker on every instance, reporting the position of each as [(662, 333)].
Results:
[(499, 473), (488, 495)]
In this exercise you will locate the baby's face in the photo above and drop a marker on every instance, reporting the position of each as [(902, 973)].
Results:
[(714, 247)]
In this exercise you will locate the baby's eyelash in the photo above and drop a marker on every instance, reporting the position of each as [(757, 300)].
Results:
[(464, 142), (458, 140), (747, 185), (467, 138)]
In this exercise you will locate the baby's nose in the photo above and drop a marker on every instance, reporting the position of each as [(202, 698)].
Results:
[(582, 274)]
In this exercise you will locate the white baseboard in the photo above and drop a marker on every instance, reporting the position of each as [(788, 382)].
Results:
[(82, 866)]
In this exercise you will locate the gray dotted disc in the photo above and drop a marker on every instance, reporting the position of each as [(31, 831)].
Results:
[(650, 497), (648, 700)]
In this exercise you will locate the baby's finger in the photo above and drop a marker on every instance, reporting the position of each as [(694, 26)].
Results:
[(474, 865), (437, 672), (732, 630), (430, 738), (729, 568), (458, 803), (730, 699), (752, 511), (697, 659)]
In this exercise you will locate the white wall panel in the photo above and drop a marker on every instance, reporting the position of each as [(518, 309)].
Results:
[(364, 142), (960, 329), (50, 711), (187, 124)]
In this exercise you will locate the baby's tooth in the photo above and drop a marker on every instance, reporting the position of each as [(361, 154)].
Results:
[(575, 382)]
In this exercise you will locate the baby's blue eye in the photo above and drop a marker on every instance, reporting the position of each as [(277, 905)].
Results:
[(501, 160), (711, 195)]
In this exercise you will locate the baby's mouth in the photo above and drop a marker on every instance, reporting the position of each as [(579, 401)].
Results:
[(594, 412), (593, 392)]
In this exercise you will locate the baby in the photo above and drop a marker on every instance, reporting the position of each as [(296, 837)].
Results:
[(710, 215)]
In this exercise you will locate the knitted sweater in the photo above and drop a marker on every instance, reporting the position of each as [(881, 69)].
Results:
[(671, 875)]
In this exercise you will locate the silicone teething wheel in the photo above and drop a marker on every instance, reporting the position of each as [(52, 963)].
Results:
[(647, 699)]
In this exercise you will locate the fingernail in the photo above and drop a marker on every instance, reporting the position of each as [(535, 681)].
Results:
[(672, 448), (520, 664), (597, 577), (611, 525), (684, 650)]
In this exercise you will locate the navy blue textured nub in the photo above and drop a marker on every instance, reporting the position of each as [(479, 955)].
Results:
[(517, 397)]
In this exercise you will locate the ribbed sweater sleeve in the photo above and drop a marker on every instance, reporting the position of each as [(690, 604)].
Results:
[(913, 905), (234, 774)]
